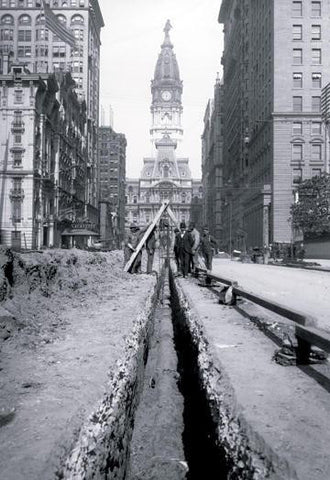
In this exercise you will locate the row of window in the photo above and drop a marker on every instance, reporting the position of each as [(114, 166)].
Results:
[(41, 34), (297, 56), (37, 3), (297, 104), (298, 152), (315, 10), (297, 128), (297, 32), (26, 20), (297, 80), (297, 174)]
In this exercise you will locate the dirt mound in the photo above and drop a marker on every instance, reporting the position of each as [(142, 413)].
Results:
[(34, 285)]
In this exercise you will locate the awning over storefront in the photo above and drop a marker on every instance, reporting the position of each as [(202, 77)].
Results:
[(79, 232)]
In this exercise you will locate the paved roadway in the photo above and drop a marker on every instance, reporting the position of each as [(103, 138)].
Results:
[(304, 290)]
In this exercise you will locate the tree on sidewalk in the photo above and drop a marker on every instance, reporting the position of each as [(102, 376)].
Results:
[(311, 213)]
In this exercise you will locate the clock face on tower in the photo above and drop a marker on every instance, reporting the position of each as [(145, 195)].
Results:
[(166, 95)]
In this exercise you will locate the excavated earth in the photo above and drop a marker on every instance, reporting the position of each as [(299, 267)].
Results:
[(107, 375)]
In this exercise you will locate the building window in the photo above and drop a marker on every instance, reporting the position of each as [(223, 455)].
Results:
[(135, 199), (24, 20), (316, 56), (296, 175), (316, 128), (17, 158), (297, 103), (297, 32), (316, 80), (316, 172), (7, 20), (18, 96), (24, 35), (297, 80), (77, 20), (297, 56), (6, 34), (297, 152), (24, 51), (297, 8), (316, 104), (42, 34), (59, 51), (297, 128), (316, 152), (316, 9), (78, 34), (316, 32)]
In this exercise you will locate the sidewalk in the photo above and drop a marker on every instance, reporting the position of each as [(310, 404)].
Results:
[(284, 413)]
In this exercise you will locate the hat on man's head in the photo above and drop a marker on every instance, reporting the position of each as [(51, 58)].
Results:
[(182, 225), (205, 227), (134, 225), (176, 230)]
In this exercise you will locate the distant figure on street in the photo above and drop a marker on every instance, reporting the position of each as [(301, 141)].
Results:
[(131, 242), (208, 246), (185, 244), (176, 249), (151, 247), (194, 255)]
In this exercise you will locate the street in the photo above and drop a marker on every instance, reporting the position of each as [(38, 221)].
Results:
[(306, 291)]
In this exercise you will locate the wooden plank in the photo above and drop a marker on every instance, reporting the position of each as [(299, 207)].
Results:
[(295, 315), (172, 216), (313, 336), (146, 235)]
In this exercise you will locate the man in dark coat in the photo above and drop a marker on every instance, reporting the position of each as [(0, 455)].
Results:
[(150, 247), (208, 245), (185, 244), (176, 248)]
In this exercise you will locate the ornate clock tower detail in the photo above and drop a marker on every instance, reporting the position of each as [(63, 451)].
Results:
[(166, 90)]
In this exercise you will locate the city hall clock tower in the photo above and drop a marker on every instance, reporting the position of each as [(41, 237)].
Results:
[(166, 90)]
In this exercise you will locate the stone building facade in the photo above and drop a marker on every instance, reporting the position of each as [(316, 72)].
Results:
[(112, 168), (214, 207), (164, 176), (275, 64), (24, 38), (43, 158)]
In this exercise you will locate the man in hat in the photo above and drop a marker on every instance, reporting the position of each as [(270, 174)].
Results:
[(176, 248), (185, 244), (194, 255), (208, 246), (131, 242)]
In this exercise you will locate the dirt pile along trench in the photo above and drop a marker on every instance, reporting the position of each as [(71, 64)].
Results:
[(73, 320)]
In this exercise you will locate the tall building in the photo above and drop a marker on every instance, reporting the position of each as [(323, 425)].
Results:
[(164, 175), (25, 38), (43, 159), (275, 63), (212, 164), (112, 162)]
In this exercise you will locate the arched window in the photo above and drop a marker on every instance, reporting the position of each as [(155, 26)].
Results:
[(77, 20), (61, 18), (24, 20), (7, 20)]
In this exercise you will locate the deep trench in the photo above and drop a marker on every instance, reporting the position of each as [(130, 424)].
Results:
[(205, 456)]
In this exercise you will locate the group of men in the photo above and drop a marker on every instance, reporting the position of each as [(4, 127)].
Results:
[(188, 244)]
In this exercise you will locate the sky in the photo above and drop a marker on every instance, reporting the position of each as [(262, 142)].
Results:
[(131, 41)]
